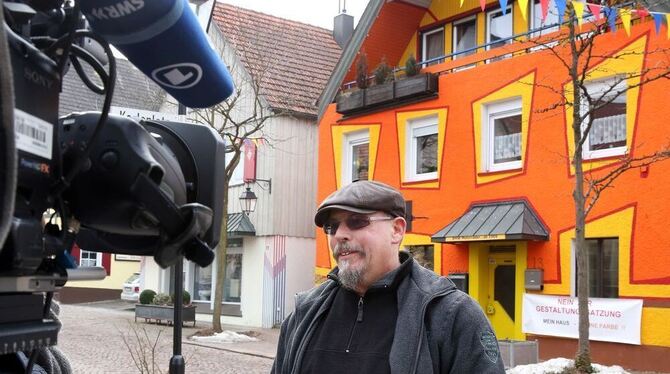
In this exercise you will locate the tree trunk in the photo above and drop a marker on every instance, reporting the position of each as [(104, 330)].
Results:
[(583, 357), (221, 263)]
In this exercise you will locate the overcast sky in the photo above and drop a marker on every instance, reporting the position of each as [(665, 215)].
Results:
[(314, 12)]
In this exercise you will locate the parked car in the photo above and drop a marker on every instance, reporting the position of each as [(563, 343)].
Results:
[(131, 288)]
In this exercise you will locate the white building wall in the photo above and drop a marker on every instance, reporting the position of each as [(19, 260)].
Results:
[(300, 260)]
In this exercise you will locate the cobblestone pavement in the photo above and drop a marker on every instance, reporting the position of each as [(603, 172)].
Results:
[(100, 340)]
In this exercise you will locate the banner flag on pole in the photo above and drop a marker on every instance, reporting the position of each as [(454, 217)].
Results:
[(595, 10), (658, 20), (625, 15), (523, 7), (579, 12), (560, 7)]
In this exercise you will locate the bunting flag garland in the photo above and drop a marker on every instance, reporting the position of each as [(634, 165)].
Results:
[(595, 10), (610, 14), (667, 16), (560, 7), (462, 3), (254, 141), (503, 6), (523, 6), (658, 20), (482, 4), (579, 12), (625, 15), (545, 8), (642, 13)]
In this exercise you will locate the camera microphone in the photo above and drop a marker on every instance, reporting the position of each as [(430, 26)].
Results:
[(165, 41)]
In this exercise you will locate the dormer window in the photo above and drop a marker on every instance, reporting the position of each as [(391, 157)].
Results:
[(432, 45)]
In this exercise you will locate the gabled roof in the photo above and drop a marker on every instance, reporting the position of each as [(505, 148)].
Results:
[(132, 90), (240, 224), (295, 59)]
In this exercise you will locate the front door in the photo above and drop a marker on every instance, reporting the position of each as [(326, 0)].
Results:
[(500, 305)]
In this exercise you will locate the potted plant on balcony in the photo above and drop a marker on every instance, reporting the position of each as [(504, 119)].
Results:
[(160, 307), (382, 91), (355, 98), (415, 82)]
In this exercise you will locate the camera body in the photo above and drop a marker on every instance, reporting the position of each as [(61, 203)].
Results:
[(109, 183)]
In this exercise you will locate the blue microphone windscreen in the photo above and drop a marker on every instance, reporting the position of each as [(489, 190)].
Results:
[(165, 41)]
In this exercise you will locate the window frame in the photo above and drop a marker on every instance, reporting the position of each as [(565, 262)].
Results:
[(417, 127), (454, 27), (351, 140), (492, 111), (537, 4), (575, 268), (488, 25), (602, 85), (98, 258), (424, 48)]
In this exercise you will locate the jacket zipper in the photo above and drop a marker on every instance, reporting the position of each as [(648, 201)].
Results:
[(423, 314), (359, 318)]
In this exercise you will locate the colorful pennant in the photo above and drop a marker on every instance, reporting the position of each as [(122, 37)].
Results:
[(545, 8), (482, 4), (462, 3), (560, 7), (625, 15), (523, 7), (503, 6), (667, 16), (658, 20), (610, 14), (595, 10), (579, 12)]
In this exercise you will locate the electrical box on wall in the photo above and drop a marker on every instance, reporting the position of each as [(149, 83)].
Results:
[(460, 280), (534, 279)]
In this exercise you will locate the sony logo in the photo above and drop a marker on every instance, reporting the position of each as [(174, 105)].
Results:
[(37, 78), (120, 9)]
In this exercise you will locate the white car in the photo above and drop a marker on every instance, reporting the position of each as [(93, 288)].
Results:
[(131, 288)]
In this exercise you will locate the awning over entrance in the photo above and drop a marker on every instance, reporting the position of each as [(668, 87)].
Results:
[(506, 220), (239, 224)]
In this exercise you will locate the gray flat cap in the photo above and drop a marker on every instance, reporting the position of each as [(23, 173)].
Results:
[(362, 197)]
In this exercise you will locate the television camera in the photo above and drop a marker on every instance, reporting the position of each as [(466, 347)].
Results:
[(109, 183)]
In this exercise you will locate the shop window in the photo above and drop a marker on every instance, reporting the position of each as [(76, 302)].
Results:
[(202, 284), (501, 142), (603, 272), (421, 161), (356, 157), (423, 254), (607, 111), (432, 45), (232, 284)]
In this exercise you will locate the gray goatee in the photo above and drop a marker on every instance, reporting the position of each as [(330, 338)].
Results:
[(350, 278)]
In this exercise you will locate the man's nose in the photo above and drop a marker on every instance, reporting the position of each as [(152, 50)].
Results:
[(343, 232)]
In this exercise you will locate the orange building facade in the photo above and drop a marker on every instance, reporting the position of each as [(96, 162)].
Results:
[(495, 137)]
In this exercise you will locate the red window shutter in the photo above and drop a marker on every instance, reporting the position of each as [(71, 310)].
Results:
[(107, 262)]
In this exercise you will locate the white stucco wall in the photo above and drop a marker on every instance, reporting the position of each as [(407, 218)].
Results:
[(300, 260)]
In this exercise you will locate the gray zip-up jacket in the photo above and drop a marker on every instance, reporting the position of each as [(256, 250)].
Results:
[(439, 328)]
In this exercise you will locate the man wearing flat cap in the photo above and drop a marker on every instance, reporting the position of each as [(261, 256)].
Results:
[(380, 311)]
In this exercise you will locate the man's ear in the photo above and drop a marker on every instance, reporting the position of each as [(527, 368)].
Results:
[(399, 226)]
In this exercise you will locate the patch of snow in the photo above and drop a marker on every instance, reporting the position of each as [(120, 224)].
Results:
[(225, 337), (556, 365)]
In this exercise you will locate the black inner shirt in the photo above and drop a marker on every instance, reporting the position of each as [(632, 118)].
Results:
[(356, 334)]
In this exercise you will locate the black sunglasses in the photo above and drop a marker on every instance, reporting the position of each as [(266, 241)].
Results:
[(353, 222)]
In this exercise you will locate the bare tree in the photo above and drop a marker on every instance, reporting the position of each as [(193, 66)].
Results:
[(576, 52)]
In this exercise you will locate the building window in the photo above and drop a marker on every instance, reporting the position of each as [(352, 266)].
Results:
[(357, 157), (432, 45), (499, 29), (501, 143), (202, 283), (603, 267), (232, 283), (421, 160), (89, 259), (465, 37), (607, 111), (423, 254), (536, 21)]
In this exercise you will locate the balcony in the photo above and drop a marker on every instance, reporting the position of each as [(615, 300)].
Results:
[(398, 92)]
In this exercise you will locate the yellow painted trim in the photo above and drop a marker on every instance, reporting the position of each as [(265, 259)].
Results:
[(654, 327), (628, 61), (618, 224), (411, 49), (322, 271), (521, 88), (402, 120), (520, 273), (338, 135), (418, 239)]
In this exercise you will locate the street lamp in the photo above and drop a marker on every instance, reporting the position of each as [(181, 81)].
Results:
[(248, 200)]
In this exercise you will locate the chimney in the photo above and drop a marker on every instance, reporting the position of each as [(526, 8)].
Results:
[(343, 28)]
